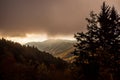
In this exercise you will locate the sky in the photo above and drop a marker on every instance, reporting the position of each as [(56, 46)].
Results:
[(38, 20)]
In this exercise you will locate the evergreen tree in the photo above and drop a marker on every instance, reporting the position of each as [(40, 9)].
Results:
[(100, 45)]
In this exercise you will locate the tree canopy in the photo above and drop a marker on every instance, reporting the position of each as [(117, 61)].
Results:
[(100, 44)]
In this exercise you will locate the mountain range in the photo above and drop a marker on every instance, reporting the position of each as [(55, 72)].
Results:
[(58, 48)]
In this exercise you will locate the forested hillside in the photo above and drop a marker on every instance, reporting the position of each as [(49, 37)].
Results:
[(58, 48), (19, 62)]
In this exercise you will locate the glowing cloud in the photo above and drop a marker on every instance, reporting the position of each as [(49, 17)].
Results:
[(29, 38)]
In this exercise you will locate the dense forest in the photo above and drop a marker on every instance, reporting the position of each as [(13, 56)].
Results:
[(96, 54), (19, 62)]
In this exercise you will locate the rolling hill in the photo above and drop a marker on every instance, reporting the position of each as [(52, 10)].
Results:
[(25, 54), (58, 48), (21, 62)]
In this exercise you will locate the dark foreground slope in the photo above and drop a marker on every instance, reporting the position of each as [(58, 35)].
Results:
[(19, 62)]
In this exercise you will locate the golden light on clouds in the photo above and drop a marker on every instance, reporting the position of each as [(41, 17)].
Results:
[(46, 19), (29, 38), (68, 37), (38, 38)]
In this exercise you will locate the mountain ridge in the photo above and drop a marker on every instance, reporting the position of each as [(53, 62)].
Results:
[(56, 47)]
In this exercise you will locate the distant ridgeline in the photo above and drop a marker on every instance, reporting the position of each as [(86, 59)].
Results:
[(58, 48), (17, 61)]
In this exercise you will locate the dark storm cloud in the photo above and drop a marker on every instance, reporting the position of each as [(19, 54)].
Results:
[(53, 17)]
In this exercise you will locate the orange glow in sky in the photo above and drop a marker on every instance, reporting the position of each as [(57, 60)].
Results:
[(37, 38), (28, 38)]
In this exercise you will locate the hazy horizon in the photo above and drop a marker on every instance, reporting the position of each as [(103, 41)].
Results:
[(35, 39)]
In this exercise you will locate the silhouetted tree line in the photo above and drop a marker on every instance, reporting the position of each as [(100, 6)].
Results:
[(98, 49)]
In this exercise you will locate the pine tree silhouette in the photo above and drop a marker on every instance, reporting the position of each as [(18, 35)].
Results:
[(100, 45)]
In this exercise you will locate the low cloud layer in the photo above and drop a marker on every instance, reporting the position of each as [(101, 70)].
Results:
[(52, 17)]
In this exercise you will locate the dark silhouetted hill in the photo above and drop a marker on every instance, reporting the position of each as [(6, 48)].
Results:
[(21, 62), (25, 53)]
